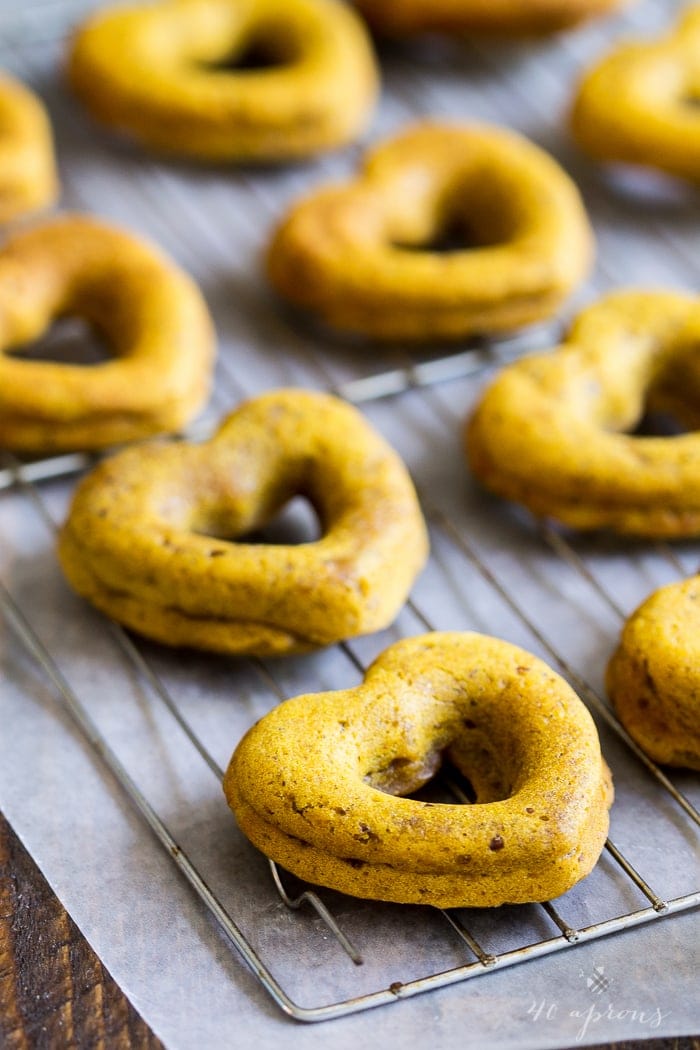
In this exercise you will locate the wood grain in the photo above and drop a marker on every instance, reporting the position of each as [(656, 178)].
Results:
[(54, 991)]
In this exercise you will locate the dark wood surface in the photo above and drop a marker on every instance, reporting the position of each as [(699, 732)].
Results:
[(54, 991)]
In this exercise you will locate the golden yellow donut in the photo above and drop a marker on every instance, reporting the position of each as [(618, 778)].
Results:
[(165, 74), (502, 17), (360, 255), (553, 430), (654, 676), (156, 536), (317, 783), (28, 180), (639, 104), (151, 316)]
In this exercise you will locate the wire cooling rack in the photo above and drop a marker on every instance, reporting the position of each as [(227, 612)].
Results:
[(461, 942)]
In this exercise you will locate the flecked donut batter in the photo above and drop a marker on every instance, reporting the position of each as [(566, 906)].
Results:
[(361, 256), (317, 783), (654, 676), (150, 314), (151, 537), (551, 431)]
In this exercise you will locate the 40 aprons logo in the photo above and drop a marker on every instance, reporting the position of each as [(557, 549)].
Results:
[(595, 1013)]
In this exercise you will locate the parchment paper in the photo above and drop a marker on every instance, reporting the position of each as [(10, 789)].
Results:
[(97, 854)]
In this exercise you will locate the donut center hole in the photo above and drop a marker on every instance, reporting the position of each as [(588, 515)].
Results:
[(448, 787), (454, 234), (658, 424), (465, 771), (295, 523), (260, 52), (69, 341)]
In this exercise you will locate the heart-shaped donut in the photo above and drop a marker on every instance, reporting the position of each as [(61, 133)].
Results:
[(654, 120), (317, 784), (364, 256), (501, 17), (166, 74), (28, 180), (151, 316), (553, 430), (654, 676), (151, 535)]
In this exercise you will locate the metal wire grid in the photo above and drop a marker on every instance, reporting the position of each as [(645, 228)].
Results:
[(25, 477)]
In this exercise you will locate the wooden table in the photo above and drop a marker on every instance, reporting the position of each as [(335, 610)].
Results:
[(54, 991)]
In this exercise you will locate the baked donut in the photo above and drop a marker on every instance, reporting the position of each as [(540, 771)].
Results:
[(151, 538), (28, 180), (655, 119), (151, 316), (554, 431), (166, 74), (364, 256), (654, 676), (501, 17), (317, 784)]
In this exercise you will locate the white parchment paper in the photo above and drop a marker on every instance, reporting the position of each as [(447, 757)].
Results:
[(103, 862)]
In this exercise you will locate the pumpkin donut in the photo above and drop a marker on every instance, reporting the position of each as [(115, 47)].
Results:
[(553, 430), (654, 676), (149, 313), (28, 180), (165, 74), (655, 119), (317, 784), (151, 535), (362, 255), (500, 17)]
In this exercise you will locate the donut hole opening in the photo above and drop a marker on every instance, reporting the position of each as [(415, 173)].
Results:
[(264, 50), (453, 235), (672, 401), (404, 776), (441, 778), (476, 211), (297, 522), (655, 423), (68, 341), (448, 788)]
